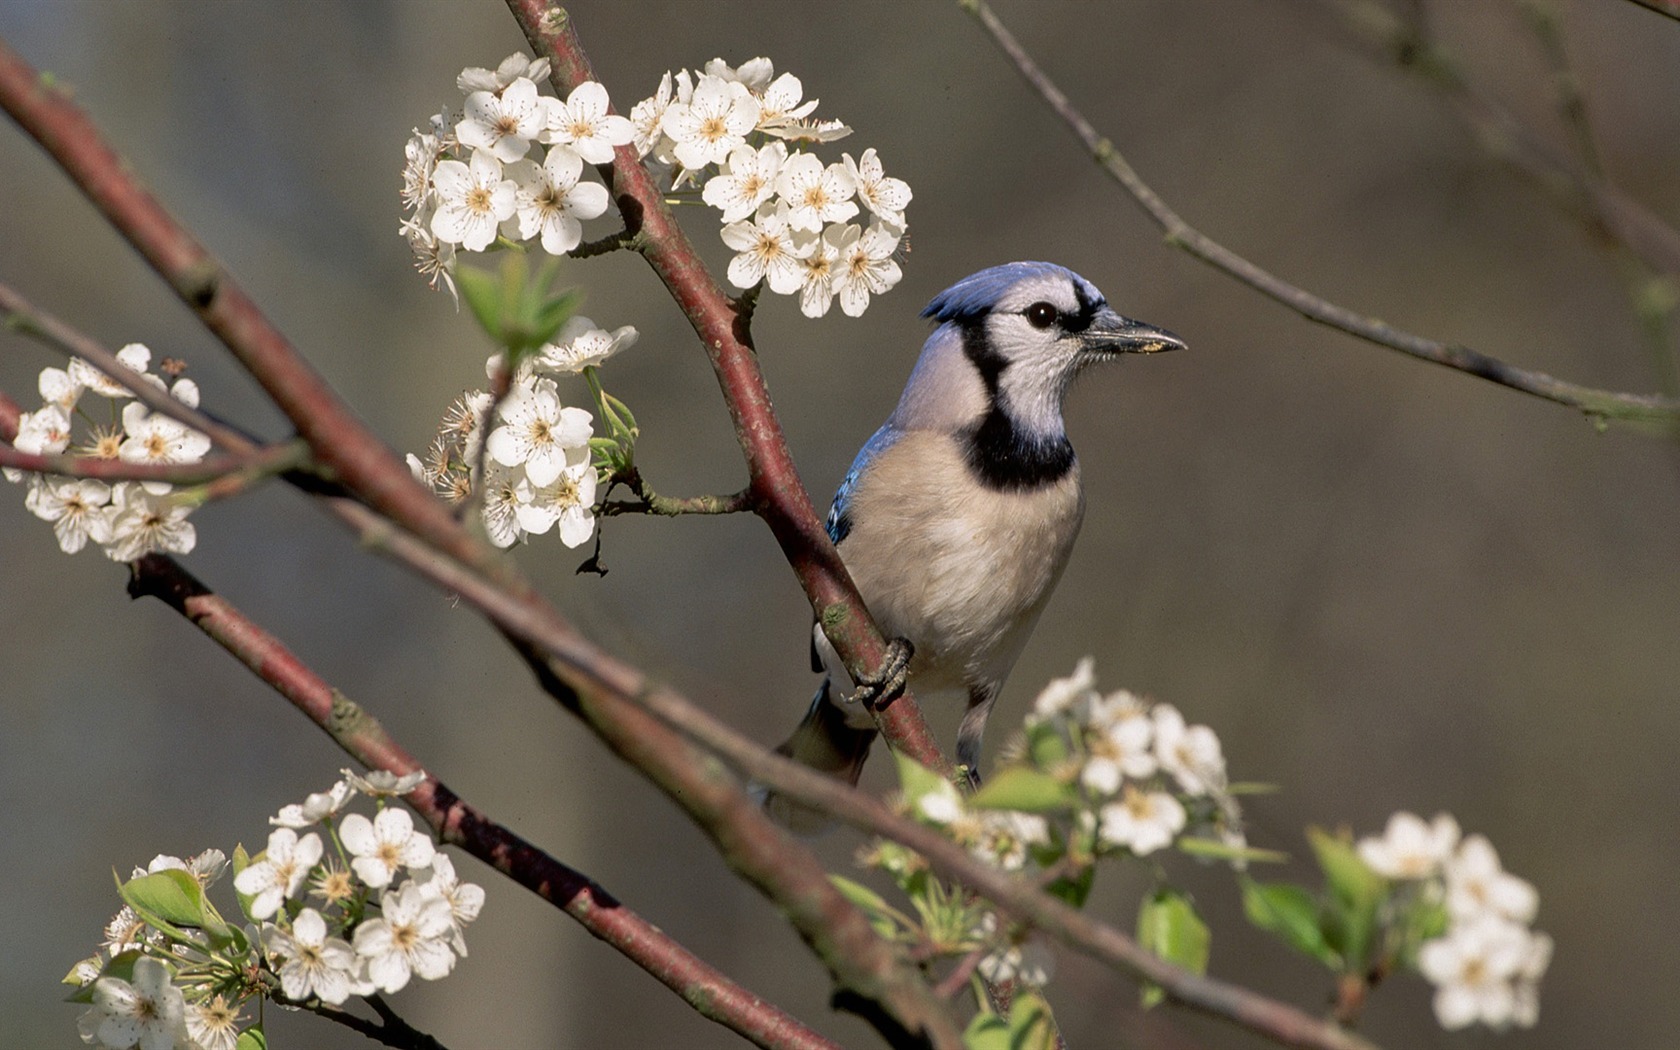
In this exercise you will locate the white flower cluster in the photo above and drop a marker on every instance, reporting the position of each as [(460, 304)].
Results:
[(785, 212), (365, 933), (1487, 966), (512, 166), (539, 472), (127, 519), (1138, 763)]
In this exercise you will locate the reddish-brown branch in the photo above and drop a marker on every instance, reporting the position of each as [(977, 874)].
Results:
[(459, 823), (779, 496)]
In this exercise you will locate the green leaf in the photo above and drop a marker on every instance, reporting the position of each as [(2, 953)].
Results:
[(252, 1038), (121, 967), (1075, 889), (1292, 913), (987, 1031), (1169, 926), (881, 914), (1024, 789), (916, 780), (551, 315), (483, 294), (175, 897), (1046, 745), (1216, 850), (1356, 894), (1031, 1026)]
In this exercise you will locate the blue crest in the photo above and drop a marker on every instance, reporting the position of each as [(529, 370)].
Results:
[(974, 295)]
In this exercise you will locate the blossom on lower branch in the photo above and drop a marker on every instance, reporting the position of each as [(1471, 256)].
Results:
[(126, 519), (173, 973)]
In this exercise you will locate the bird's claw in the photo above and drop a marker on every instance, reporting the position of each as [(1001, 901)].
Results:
[(887, 683)]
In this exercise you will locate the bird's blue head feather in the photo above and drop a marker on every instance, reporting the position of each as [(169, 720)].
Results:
[(975, 295)]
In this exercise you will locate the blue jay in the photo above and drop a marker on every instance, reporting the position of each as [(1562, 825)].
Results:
[(957, 517)]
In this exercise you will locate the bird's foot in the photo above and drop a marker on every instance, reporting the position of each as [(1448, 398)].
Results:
[(887, 683)]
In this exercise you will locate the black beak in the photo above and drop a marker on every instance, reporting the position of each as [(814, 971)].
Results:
[(1113, 334)]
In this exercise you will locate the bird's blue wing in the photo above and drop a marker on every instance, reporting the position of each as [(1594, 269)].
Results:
[(839, 512)]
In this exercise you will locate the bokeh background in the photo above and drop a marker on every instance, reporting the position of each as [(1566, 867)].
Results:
[(1387, 585)]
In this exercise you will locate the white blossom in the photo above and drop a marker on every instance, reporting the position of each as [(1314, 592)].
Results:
[(754, 74), (409, 937), (816, 194), (382, 847), (157, 439), (1478, 885), (1409, 848), (647, 116), (866, 266), (537, 431), (465, 899), (1190, 753), (747, 180), (500, 503), (817, 272), (719, 117), (1476, 968), (551, 200), (136, 357), (1121, 743), (769, 250), (1142, 821), (316, 807), (583, 123), (58, 387), (579, 345), (213, 1024), (280, 872), (473, 200), (148, 1011), (40, 433), (513, 67), (143, 521), (780, 108), (382, 783), (1068, 697), (567, 501), (505, 125), (315, 964), (77, 507), (885, 197)]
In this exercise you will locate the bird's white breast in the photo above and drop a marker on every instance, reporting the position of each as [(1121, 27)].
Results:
[(961, 570)]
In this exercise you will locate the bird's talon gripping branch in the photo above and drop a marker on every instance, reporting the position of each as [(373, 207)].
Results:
[(887, 683)]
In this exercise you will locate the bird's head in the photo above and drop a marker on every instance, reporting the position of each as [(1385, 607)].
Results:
[(1027, 329)]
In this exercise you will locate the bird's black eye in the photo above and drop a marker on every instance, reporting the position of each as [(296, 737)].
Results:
[(1041, 315)]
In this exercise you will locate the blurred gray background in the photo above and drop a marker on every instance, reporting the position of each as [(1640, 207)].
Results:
[(1386, 585)]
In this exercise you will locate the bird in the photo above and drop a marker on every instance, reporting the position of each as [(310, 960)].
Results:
[(957, 517)]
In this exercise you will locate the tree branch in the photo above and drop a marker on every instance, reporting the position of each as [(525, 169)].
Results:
[(223, 475), (1599, 404), (459, 823), (780, 498)]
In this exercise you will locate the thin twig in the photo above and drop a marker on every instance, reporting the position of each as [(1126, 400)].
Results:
[(1598, 404), (1667, 8), (222, 476), (650, 502), (391, 1030), (23, 317)]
